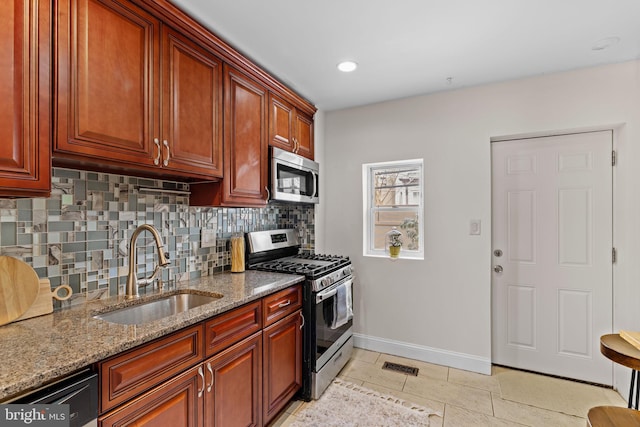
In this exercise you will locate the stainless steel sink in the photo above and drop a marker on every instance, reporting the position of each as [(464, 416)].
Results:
[(156, 309)]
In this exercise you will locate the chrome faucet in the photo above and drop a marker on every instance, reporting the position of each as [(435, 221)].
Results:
[(132, 280)]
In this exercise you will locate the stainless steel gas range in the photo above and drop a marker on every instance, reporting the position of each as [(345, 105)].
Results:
[(327, 304)]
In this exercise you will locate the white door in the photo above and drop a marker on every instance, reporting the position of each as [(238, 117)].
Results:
[(552, 221)]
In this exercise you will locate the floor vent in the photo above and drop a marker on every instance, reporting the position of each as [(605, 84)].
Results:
[(403, 369)]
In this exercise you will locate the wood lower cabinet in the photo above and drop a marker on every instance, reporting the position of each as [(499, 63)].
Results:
[(246, 151), (111, 100), (282, 363), (233, 398), (177, 402), (132, 373), (290, 128), (25, 100), (223, 372)]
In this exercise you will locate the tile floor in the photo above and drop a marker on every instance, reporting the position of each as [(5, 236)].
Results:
[(506, 398)]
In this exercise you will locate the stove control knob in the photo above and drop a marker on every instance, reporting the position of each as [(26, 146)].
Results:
[(346, 271), (326, 282)]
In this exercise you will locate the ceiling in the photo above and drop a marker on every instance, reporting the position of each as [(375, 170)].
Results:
[(410, 47)]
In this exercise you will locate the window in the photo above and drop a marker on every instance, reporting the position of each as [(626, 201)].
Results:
[(393, 197)]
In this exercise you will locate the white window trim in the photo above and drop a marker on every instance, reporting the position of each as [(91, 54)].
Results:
[(367, 197)]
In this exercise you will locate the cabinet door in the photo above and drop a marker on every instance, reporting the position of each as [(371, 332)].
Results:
[(107, 82), (304, 135), (282, 363), (233, 397), (191, 107), (25, 104), (177, 402), (281, 121), (245, 145)]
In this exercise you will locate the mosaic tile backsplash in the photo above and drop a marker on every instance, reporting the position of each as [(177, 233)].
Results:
[(80, 235)]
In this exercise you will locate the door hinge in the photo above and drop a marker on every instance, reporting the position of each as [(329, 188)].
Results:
[(613, 158), (614, 255)]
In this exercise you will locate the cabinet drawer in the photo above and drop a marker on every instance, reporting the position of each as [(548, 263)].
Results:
[(129, 374), (281, 304), (229, 328)]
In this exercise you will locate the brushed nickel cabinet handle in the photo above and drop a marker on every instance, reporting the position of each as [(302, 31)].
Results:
[(201, 373), (284, 304), (156, 161), (302, 325), (166, 159), (268, 192), (211, 372)]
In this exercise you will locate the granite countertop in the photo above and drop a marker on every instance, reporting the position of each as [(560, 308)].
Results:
[(39, 350)]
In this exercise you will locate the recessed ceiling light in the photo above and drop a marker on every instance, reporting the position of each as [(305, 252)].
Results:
[(347, 66), (602, 44)]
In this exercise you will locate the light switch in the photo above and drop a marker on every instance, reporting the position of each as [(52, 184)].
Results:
[(474, 227)]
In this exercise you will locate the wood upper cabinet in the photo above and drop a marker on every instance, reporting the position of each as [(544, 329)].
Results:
[(191, 107), (25, 102), (108, 58), (246, 152), (282, 363), (113, 109), (290, 128), (233, 396)]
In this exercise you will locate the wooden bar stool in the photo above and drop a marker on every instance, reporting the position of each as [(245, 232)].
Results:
[(613, 416), (617, 349)]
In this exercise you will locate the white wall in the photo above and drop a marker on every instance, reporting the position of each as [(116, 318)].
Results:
[(439, 309)]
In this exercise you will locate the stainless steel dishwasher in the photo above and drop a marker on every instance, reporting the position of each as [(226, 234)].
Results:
[(79, 391)]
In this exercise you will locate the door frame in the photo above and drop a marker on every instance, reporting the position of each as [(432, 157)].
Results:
[(620, 377)]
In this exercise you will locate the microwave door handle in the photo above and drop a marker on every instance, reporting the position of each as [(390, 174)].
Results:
[(315, 184)]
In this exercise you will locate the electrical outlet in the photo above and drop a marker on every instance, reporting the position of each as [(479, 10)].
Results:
[(208, 238)]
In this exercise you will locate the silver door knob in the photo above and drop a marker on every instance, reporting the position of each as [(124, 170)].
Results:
[(497, 268)]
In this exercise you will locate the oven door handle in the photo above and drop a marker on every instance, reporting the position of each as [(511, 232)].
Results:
[(321, 296)]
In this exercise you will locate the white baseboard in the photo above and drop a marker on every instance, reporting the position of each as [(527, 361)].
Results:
[(437, 356)]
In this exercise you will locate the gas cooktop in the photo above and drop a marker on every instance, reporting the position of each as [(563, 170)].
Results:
[(311, 265)]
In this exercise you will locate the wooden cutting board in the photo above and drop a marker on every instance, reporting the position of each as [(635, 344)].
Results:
[(43, 303), (19, 287)]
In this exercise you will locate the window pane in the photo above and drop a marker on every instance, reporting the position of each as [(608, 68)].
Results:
[(396, 186), (405, 221)]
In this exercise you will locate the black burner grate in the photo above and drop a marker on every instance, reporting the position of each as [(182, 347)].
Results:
[(403, 369)]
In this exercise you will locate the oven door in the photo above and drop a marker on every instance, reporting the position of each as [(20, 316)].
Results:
[(334, 320)]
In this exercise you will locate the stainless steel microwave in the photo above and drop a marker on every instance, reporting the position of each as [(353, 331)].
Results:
[(293, 178)]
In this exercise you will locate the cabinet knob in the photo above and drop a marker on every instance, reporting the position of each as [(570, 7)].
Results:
[(156, 161)]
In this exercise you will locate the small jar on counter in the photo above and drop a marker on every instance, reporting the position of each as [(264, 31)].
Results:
[(237, 253)]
